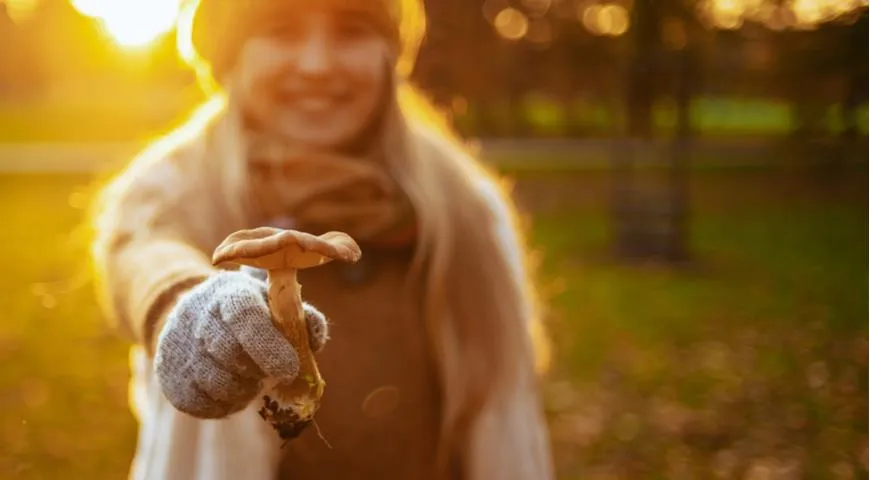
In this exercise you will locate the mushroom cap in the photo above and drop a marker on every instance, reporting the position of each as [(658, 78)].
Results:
[(275, 248)]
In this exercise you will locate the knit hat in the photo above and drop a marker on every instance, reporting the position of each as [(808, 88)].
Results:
[(210, 32)]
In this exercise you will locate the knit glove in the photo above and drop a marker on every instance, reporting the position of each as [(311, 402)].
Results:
[(219, 343)]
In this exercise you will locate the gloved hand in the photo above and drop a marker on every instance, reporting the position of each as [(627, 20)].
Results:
[(219, 343)]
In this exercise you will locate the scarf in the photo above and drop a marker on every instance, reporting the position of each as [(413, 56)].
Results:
[(318, 192)]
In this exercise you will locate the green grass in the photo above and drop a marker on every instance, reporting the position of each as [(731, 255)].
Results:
[(710, 116), (753, 358)]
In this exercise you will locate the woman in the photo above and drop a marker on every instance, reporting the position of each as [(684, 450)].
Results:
[(428, 354)]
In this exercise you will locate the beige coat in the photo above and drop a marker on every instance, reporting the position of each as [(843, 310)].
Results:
[(155, 238)]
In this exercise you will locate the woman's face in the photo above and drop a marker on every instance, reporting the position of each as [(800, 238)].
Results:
[(315, 75)]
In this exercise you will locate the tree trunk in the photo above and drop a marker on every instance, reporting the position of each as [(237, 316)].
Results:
[(677, 249), (631, 229)]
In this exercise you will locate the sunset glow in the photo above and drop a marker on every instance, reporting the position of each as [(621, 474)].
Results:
[(131, 23)]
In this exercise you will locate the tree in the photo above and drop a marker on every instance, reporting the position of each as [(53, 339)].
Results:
[(650, 206)]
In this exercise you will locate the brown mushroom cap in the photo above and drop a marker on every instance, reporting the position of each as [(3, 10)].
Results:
[(274, 248)]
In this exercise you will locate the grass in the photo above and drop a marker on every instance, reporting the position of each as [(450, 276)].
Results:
[(752, 362), (712, 116)]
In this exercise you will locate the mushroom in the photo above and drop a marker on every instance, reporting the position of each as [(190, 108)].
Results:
[(281, 253)]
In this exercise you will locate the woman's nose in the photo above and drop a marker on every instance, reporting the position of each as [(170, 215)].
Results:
[(315, 55)]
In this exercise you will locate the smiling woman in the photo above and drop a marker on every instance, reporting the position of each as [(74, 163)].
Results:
[(132, 23)]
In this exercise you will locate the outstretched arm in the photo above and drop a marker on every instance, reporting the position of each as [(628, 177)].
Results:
[(210, 332), (142, 252)]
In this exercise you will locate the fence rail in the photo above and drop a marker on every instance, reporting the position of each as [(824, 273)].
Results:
[(96, 157)]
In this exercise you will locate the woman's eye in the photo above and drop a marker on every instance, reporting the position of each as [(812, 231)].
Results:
[(351, 29), (281, 31)]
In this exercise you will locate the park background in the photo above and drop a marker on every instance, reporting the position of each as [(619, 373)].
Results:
[(694, 172)]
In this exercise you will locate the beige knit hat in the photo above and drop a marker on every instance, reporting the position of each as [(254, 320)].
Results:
[(211, 31)]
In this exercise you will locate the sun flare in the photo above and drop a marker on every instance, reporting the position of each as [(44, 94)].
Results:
[(131, 23)]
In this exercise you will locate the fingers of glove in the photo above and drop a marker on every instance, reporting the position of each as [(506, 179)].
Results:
[(245, 313), (318, 327), (221, 386), (217, 341), (174, 366), (188, 398), (196, 322)]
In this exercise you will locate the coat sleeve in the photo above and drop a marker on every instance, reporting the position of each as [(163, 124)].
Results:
[(143, 252), (511, 440)]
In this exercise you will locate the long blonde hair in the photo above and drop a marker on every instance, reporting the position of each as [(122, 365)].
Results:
[(483, 321), (488, 319)]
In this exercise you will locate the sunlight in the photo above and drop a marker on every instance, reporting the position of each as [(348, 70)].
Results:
[(132, 23)]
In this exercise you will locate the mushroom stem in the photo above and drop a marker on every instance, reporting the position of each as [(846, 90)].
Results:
[(285, 303)]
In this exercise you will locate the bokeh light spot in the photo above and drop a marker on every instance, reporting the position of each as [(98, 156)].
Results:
[(512, 24), (381, 401), (613, 20), (589, 17), (728, 14), (605, 19)]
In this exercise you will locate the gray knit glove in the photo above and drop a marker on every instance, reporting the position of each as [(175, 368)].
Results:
[(219, 343)]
